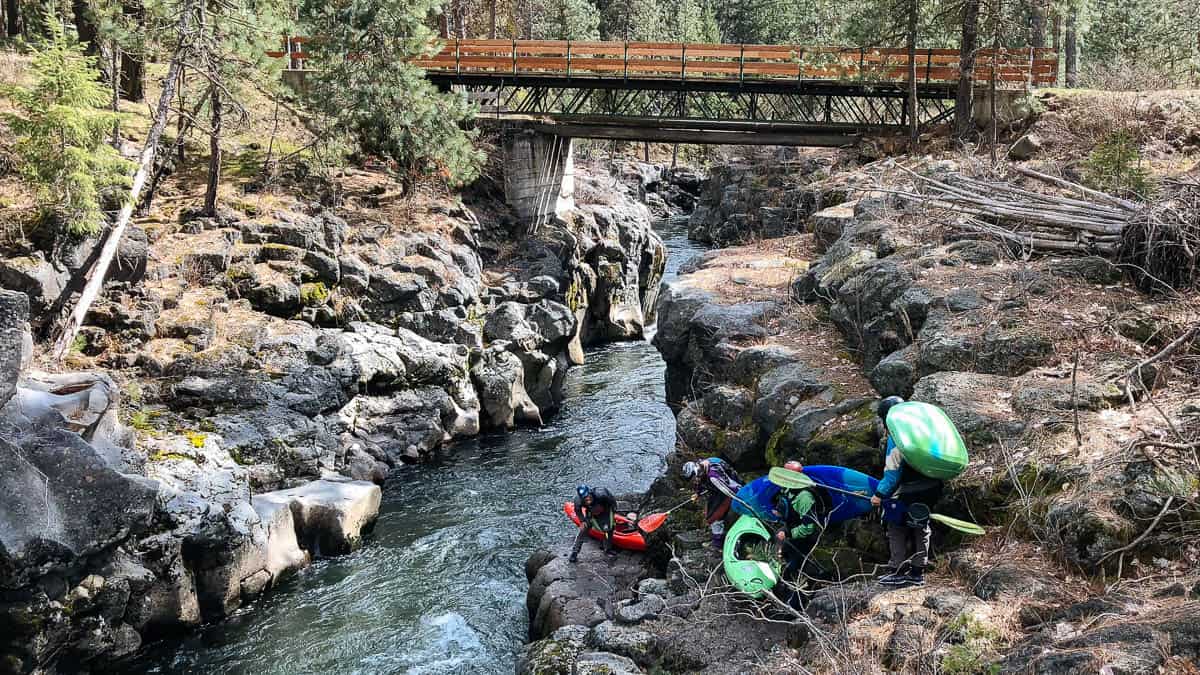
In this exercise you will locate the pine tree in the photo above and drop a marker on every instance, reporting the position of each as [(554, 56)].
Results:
[(60, 128), (367, 90), (567, 20), (633, 21)]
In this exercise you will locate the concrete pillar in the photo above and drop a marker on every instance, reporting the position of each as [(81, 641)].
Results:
[(539, 175), (1012, 105)]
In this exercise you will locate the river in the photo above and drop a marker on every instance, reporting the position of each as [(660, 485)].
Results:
[(440, 586)]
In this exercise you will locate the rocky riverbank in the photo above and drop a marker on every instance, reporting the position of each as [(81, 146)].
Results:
[(246, 381), (779, 348)]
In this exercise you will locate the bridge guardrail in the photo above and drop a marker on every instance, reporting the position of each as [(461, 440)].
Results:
[(658, 60)]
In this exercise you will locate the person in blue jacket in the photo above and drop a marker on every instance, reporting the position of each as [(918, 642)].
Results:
[(906, 496)]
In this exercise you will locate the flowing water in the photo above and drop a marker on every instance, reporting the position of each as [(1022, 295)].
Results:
[(440, 585)]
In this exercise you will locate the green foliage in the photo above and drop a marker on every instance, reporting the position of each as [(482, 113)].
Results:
[(973, 640), (1116, 166), (367, 91), (567, 20), (314, 294), (141, 421), (60, 132), (693, 21), (633, 20)]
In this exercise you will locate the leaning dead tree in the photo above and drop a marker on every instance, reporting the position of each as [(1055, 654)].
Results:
[(98, 272)]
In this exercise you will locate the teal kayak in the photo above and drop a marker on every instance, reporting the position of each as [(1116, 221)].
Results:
[(753, 577), (927, 439)]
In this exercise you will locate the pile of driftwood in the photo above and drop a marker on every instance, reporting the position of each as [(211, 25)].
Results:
[(1094, 223), (1161, 244)]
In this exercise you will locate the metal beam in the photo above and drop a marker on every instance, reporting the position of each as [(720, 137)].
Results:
[(698, 136)]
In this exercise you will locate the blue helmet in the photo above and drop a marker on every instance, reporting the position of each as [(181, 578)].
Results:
[(583, 490)]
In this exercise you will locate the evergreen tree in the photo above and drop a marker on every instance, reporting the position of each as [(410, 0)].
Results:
[(367, 90), (567, 20), (694, 21), (60, 130), (633, 21)]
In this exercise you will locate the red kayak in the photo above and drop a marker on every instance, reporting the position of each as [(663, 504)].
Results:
[(625, 533)]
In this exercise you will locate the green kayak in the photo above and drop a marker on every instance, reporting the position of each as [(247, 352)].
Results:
[(753, 577)]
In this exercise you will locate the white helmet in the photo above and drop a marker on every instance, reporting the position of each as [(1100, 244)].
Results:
[(691, 470)]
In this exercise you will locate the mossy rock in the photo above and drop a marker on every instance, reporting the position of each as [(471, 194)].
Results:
[(850, 440), (314, 294)]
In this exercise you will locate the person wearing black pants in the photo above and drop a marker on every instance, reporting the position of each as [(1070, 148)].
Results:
[(596, 508)]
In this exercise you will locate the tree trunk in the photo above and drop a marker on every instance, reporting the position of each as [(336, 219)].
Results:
[(994, 141), (1071, 49), (443, 25), (492, 11), (12, 14), (1037, 24), (133, 69), (85, 28), (914, 124), (214, 156), (96, 277), (1056, 41), (964, 100), (114, 76)]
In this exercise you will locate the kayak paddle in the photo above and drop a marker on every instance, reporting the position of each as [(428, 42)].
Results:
[(794, 480), (655, 520), (963, 526)]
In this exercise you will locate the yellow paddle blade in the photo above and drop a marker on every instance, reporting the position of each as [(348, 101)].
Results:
[(966, 527), (792, 480)]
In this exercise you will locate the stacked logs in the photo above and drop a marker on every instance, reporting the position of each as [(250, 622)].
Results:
[(1031, 220)]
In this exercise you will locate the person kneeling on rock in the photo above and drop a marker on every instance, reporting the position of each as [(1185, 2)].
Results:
[(802, 514), (715, 482), (907, 494), (596, 508)]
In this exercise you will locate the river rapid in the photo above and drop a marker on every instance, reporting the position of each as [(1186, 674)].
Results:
[(440, 587)]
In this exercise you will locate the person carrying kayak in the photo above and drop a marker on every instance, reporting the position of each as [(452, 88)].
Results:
[(716, 482), (802, 514), (909, 495), (597, 509)]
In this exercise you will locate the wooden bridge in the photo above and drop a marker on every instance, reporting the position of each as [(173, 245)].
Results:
[(713, 93)]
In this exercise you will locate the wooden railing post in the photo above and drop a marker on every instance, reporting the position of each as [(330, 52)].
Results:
[(457, 58), (928, 64), (742, 64), (568, 59), (683, 61), (626, 60), (514, 57)]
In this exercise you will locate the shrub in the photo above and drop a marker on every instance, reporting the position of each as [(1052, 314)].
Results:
[(60, 131), (1116, 166)]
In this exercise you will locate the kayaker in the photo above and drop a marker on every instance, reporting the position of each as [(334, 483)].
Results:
[(597, 509), (907, 518), (802, 514), (716, 482)]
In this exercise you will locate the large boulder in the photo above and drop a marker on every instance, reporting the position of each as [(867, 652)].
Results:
[(331, 515), (14, 335), (583, 594), (63, 498), (499, 378)]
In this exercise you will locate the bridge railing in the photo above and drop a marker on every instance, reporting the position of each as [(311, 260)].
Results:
[(683, 60), (659, 60)]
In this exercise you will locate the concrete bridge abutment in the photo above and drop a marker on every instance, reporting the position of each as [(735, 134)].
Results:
[(539, 174)]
